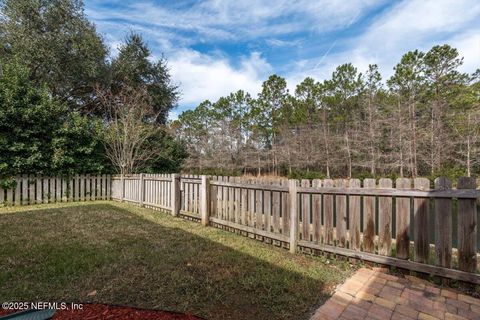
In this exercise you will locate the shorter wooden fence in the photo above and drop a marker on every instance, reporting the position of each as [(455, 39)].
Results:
[(410, 224), (25, 189)]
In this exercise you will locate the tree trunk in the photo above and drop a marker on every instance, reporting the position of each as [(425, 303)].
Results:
[(371, 130), (414, 140), (469, 173), (325, 141), (432, 143), (349, 155)]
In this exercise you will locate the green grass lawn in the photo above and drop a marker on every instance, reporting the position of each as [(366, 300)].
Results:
[(120, 254)]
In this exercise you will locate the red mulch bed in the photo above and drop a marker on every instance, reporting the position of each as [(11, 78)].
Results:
[(103, 312)]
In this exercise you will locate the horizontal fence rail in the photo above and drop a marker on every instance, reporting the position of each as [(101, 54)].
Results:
[(29, 189)]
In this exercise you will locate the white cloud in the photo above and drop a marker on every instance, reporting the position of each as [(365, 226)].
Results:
[(283, 43), (174, 28), (410, 25), (203, 77), (468, 44), (233, 19), (419, 24)]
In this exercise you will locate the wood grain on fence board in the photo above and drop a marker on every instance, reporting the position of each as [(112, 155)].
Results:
[(328, 212), (213, 200), (244, 206), (259, 209), (58, 189), (221, 207), (443, 225), (317, 212), (204, 200), (285, 197), (354, 215), (421, 207), (267, 209), (293, 184), (238, 205), (341, 214), (385, 219), (231, 204), (467, 228), (305, 207), (369, 217), (403, 220), (226, 201)]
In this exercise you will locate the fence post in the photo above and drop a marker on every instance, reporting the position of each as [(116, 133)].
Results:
[(205, 200), (175, 194), (142, 189), (122, 182), (292, 187)]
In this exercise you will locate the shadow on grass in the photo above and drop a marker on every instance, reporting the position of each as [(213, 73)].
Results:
[(108, 254)]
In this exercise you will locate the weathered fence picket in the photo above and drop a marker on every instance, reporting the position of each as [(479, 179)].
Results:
[(369, 218), (403, 220), (293, 191), (420, 222), (467, 228), (385, 219), (341, 216), (305, 207), (354, 214), (443, 225), (316, 212), (328, 212)]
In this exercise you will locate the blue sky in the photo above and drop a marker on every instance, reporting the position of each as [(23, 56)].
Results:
[(215, 47)]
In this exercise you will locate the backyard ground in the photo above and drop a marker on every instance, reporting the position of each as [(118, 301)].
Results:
[(124, 255)]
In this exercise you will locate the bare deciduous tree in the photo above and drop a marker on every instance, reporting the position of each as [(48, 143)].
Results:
[(130, 126)]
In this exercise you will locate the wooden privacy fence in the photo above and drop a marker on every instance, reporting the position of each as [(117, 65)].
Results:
[(25, 189), (409, 224), (150, 190)]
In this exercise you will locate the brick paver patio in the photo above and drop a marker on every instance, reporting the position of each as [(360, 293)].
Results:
[(374, 294)]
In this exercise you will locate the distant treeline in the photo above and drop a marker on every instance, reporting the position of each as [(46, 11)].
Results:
[(423, 121)]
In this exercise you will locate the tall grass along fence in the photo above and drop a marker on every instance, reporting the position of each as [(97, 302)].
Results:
[(24, 190), (407, 223)]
